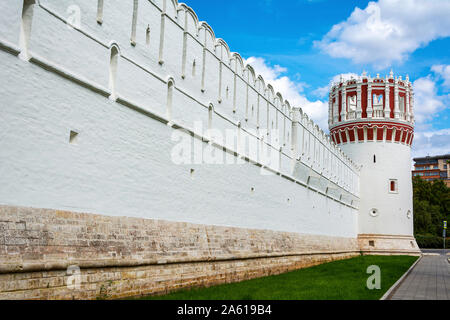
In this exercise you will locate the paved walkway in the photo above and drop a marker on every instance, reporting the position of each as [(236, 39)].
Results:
[(429, 280)]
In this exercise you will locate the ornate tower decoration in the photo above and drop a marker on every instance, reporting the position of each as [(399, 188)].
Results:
[(372, 121)]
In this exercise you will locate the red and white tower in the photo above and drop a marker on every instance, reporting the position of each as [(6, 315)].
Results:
[(372, 121)]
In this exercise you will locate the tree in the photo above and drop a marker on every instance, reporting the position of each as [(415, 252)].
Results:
[(431, 206), (425, 216)]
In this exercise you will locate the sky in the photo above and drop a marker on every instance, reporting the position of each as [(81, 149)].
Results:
[(300, 46)]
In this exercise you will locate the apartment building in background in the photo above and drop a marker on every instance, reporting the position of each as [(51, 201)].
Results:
[(433, 168)]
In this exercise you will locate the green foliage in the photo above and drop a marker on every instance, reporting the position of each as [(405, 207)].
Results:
[(431, 208), (339, 280), (430, 241)]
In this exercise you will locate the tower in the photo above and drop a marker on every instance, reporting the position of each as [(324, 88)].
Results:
[(372, 121)]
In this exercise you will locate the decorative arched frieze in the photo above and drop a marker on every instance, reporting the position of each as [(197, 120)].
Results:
[(191, 22), (261, 85), (238, 68), (270, 93), (251, 77)]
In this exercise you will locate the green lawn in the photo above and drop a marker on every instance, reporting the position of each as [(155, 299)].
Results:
[(339, 280)]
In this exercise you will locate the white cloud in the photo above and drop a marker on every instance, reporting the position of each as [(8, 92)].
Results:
[(426, 100), (344, 77), (428, 105), (431, 143), (387, 31), (322, 92), (270, 74), (444, 72), (291, 90)]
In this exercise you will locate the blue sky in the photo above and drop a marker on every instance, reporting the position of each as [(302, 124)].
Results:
[(301, 45)]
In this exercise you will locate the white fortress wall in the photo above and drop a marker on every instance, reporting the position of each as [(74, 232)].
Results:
[(93, 115), (121, 85)]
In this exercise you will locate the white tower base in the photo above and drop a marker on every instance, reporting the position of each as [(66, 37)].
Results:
[(376, 244)]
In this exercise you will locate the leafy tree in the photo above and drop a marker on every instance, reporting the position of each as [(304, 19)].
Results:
[(431, 207), (425, 216)]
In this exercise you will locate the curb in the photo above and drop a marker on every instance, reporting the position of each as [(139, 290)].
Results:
[(390, 292)]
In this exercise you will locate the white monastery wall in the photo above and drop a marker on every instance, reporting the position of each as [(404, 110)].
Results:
[(122, 200), (171, 72)]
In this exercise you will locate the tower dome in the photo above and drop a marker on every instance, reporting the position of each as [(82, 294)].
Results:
[(372, 121)]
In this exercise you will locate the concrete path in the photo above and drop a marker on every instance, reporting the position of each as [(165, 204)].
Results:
[(429, 280), (436, 251)]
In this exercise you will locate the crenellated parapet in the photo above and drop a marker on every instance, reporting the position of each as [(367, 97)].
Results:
[(372, 109)]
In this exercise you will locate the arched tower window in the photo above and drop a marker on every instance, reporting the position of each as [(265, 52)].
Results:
[(377, 100)]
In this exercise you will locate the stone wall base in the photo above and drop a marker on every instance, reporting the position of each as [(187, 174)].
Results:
[(53, 254), (112, 283), (375, 244)]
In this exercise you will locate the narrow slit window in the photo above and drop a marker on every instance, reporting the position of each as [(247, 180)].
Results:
[(73, 136), (374, 159), (193, 69), (147, 36), (393, 186)]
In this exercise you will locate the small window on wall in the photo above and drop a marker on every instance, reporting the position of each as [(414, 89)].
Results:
[(147, 36), (393, 186)]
